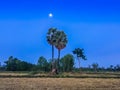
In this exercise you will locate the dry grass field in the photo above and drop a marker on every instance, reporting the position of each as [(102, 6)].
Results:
[(59, 84)]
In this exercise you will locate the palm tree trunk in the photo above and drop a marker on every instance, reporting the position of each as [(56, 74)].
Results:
[(52, 58), (58, 69)]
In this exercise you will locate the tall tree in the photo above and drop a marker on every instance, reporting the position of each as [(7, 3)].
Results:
[(61, 41), (51, 39), (80, 54)]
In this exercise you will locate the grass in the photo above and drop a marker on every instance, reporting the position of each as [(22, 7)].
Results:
[(59, 84), (34, 74)]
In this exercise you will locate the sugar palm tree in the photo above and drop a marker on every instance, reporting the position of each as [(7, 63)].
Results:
[(51, 39), (61, 41), (80, 54)]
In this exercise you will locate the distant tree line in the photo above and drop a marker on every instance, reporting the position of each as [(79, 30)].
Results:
[(14, 64), (43, 65), (96, 68)]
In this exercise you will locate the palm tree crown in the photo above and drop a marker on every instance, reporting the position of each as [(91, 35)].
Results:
[(61, 40), (51, 36), (80, 53)]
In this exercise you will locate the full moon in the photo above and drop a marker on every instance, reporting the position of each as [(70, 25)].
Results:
[(50, 15)]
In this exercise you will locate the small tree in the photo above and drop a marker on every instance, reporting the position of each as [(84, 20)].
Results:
[(67, 63), (111, 67), (42, 63), (95, 66), (80, 54)]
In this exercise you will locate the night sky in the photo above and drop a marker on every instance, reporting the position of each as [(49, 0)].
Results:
[(90, 24)]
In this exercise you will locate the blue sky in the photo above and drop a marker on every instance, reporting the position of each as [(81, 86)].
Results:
[(90, 24)]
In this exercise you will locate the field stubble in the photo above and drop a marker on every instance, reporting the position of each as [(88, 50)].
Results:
[(59, 84)]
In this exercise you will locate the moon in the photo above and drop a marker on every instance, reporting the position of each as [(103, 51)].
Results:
[(50, 15)]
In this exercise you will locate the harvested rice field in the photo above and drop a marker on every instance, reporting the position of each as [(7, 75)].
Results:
[(59, 84)]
